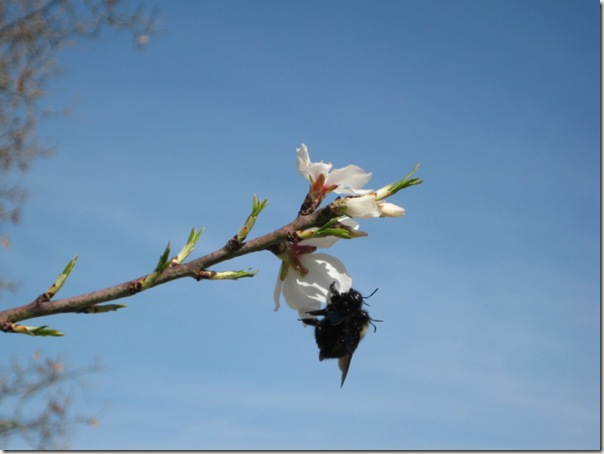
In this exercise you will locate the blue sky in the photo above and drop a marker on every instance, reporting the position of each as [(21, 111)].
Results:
[(489, 287)]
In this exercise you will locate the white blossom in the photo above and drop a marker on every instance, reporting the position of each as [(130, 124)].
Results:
[(347, 181), (305, 276), (307, 292)]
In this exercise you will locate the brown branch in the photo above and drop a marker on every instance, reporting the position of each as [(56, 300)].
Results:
[(40, 308)]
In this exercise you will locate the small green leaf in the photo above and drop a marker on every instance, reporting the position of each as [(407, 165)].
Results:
[(162, 264), (35, 330), (257, 207), (225, 275), (54, 288), (234, 275), (332, 228), (188, 248), (398, 185)]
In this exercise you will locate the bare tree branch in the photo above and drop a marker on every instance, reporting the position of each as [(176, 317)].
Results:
[(197, 269), (35, 402), (31, 31)]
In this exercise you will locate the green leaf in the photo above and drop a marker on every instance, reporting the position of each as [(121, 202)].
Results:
[(333, 227), (162, 264), (188, 248), (54, 288), (234, 275), (257, 207), (398, 185), (225, 275), (35, 330)]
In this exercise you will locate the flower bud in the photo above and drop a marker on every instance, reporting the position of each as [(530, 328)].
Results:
[(368, 206)]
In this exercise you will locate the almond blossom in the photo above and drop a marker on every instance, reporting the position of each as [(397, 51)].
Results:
[(346, 181), (307, 292), (305, 276)]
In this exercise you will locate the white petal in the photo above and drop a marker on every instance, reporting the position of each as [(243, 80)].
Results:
[(349, 179), (317, 168), (329, 269), (350, 223), (277, 293), (303, 156), (308, 169), (302, 296), (321, 243), (307, 293)]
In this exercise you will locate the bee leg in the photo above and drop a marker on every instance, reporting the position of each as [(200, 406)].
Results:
[(333, 289), (317, 312)]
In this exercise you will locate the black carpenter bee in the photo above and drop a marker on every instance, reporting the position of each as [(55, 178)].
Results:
[(342, 327)]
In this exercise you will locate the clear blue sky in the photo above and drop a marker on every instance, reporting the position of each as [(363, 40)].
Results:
[(489, 287)]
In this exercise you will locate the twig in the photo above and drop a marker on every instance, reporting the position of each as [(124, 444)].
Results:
[(194, 269)]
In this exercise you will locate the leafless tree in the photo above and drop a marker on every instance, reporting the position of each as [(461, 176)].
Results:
[(36, 402), (36, 398), (31, 32)]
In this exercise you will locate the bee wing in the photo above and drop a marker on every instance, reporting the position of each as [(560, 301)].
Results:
[(317, 312), (344, 364)]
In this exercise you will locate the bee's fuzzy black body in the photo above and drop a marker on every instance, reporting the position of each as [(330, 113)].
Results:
[(342, 327)]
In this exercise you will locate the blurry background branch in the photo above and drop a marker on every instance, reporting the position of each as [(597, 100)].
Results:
[(36, 400), (31, 33)]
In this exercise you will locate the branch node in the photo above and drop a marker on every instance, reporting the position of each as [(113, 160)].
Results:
[(7, 327), (135, 287), (205, 274), (293, 236), (233, 244), (44, 298)]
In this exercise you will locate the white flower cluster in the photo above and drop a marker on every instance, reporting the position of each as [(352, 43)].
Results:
[(306, 276)]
